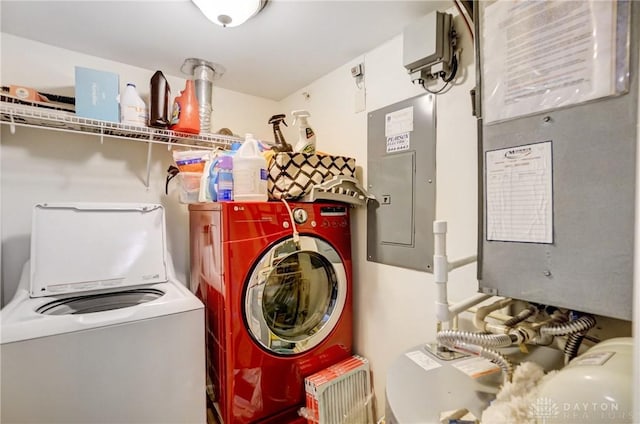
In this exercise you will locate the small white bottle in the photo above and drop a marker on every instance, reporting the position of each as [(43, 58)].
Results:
[(306, 137), (133, 110)]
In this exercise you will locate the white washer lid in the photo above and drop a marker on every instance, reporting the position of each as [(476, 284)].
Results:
[(79, 247)]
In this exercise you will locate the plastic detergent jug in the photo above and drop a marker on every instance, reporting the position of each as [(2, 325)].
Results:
[(133, 110), (306, 137), (159, 101), (249, 173), (185, 116), (221, 179)]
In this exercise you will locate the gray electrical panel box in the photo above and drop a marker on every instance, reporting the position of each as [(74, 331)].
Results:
[(401, 151), (426, 44), (557, 221)]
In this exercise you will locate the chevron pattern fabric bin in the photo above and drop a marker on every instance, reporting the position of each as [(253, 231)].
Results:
[(292, 175)]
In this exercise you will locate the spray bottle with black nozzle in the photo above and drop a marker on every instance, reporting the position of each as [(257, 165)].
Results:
[(281, 143)]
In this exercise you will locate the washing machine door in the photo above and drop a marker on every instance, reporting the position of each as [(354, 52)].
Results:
[(295, 295)]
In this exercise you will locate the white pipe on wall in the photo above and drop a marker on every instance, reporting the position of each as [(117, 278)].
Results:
[(441, 268)]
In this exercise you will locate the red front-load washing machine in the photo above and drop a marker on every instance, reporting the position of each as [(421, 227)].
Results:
[(276, 284)]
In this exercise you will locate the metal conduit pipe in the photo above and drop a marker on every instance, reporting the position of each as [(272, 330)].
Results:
[(584, 323), (572, 346), (521, 316), (451, 337), (497, 358)]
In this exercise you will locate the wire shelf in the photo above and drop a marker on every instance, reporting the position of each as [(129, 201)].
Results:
[(15, 112)]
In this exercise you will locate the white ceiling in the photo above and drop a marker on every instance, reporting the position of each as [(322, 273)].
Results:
[(281, 50)]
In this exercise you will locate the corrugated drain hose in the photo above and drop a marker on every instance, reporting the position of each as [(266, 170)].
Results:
[(521, 316), (576, 330), (482, 339), (572, 346), (470, 343), (584, 323)]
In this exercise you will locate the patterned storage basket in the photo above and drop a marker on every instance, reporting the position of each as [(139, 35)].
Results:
[(292, 175)]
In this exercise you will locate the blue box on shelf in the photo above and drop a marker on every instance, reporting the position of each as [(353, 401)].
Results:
[(97, 94)]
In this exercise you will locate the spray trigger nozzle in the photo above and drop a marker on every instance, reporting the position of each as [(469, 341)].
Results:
[(277, 119), (299, 114), (281, 144)]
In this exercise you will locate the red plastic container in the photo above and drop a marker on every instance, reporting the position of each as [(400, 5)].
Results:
[(185, 116)]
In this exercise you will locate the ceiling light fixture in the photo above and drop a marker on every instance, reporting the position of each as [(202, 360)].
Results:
[(229, 13)]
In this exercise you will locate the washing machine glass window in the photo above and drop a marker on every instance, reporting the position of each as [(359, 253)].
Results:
[(294, 304), (99, 302), (295, 295)]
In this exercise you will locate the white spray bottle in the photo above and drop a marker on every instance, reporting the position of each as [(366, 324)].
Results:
[(307, 138)]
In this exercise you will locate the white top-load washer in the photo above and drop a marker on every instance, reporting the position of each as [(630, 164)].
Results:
[(100, 331)]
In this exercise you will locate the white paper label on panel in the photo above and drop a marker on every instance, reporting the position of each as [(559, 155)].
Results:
[(398, 142), (398, 122), (519, 199), (476, 367), (591, 359), (423, 360), (540, 55)]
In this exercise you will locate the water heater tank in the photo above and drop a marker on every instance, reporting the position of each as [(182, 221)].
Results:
[(595, 387)]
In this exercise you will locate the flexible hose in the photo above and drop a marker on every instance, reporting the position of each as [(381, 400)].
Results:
[(451, 337), (296, 236), (472, 343), (521, 316), (582, 324), (499, 359), (495, 357), (572, 346)]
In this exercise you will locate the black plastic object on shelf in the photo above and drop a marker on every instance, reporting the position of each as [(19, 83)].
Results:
[(159, 101)]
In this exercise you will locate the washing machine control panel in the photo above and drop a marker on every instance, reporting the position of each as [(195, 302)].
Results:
[(306, 215), (333, 217), (332, 223), (333, 211)]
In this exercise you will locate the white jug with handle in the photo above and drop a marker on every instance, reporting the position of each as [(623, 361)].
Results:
[(249, 172)]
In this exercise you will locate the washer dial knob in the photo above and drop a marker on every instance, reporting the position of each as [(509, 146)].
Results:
[(300, 216)]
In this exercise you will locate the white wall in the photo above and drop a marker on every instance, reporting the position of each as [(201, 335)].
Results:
[(394, 306), (44, 166)]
